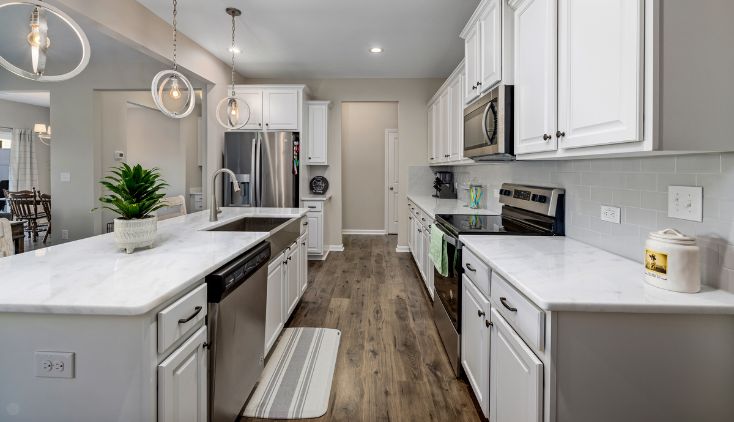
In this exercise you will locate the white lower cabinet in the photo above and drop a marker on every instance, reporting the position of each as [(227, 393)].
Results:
[(292, 276), (182, 382), (475, 341), (516, 377), (303, 262), (315, 219), (274, 308), (427, 262), (419, 244)]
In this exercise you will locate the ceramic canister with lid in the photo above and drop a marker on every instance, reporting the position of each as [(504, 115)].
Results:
[(671, 261)]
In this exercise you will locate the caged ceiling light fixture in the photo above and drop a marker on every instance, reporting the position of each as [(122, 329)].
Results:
[(39, 41), (233, 112), (173, 82)]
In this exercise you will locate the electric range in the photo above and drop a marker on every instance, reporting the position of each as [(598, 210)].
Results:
[(526, 211)]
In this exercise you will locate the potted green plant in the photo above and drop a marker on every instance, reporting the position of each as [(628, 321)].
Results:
[(135, 194)]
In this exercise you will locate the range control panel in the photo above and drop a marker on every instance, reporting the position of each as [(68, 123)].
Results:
[(542, 200)]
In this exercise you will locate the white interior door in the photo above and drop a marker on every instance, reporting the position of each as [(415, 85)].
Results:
[(599, 72), (391, 180)]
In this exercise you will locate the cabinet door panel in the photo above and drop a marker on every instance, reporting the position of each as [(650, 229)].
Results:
[(516, 385), (293, 285), (599, 72), (475, 341), (274, 308), (456, 119), (281, 109), (182, 382), (471, 56), (315, 233), (303, 262), (317, 133), (490, 27), (436, 132), (254, 99), (535, 77), (444, 116)]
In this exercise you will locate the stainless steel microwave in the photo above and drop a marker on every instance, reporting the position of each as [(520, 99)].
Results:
[(488, 126)]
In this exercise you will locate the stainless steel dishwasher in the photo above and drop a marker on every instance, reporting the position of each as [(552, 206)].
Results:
[(237, 294)]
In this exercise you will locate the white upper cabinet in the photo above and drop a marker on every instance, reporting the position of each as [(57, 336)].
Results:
[(318, 129), (535, 76), (254, 99), (600, 72), (472, 59), (446, 120), (456, 118), (273, 107), (490, 57), (281, 108)]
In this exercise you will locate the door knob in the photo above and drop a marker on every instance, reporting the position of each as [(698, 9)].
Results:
[(559, 134), (546, 137)]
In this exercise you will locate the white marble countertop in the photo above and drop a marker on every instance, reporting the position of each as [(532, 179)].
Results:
[(325, 197), (562, 274), (91, 276), (433, 206)]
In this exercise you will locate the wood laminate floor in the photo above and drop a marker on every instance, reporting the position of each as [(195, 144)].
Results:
[(391, 364)]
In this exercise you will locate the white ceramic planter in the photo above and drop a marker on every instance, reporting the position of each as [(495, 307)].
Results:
[(132, 234)]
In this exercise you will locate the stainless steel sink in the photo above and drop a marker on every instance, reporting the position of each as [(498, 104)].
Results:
[(283, 231), (252, 224)]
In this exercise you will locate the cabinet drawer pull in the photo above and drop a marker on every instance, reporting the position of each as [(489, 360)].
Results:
[(470, 268), (480, 313), (420, 231), (305, 223), (503, 300), (312, 207), (488, 323), (190, 317)]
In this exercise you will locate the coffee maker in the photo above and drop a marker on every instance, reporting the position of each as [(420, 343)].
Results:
[(443, 184)]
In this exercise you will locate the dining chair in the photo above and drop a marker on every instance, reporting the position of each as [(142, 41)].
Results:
[(176, 205), (45, 200), (24, 206)]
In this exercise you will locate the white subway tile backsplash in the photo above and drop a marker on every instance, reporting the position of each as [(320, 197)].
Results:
[(639, 186)]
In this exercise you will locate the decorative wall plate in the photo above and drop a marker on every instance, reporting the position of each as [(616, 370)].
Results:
[(319, 185)]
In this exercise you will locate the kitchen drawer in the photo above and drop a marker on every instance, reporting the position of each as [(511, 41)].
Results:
[(477, 271), (526, 318), (181, 317), (313, 205)]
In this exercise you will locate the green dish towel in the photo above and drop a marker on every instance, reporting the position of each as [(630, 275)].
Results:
[(438, 253)]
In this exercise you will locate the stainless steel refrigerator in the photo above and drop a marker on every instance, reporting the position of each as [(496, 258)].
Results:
[(267, 167)]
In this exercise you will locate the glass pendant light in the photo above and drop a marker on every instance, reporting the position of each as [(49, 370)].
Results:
[(167, 86), (39, 41), (233, 112)]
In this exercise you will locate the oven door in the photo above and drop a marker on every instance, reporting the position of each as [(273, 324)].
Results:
[(448, 289)]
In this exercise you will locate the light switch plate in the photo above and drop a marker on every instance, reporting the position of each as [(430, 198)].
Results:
[(65, 176), (54, 364), (685, 202), (611, 214)]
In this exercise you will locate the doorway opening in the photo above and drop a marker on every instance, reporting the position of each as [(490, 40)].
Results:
[(365, 166)]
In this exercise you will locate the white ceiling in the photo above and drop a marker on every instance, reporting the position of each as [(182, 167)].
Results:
[(36, 98), (329, 38)]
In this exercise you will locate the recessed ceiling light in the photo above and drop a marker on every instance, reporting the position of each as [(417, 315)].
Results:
[(375, 50), (234, 50)]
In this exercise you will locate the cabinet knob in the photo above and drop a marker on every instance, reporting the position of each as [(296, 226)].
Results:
[(546, 137), (488, 323), (560, 134), (479, 84), (309, 158), (259, 124), (473, 87), (267, 124), (481, 314)]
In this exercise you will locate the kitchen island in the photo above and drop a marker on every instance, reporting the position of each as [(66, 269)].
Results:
[(91, 333)]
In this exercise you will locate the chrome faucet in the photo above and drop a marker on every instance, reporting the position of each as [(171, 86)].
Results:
[(213, 208)]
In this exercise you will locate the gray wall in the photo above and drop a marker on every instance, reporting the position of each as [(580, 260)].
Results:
[(639, 186), (24, 116)]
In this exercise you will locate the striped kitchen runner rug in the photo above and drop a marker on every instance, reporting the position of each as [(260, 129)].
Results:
[(296, 382)]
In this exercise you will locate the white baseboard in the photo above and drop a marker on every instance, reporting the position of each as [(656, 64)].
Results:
[(402, 249), (363, 232), (336, 248), (317, 257)]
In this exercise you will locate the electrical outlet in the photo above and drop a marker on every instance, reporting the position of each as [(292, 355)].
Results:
[(685, 202), (65, 234), (54, 364), (611, 214)]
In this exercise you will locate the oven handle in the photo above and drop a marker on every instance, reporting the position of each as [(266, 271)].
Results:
[(450, 240)]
